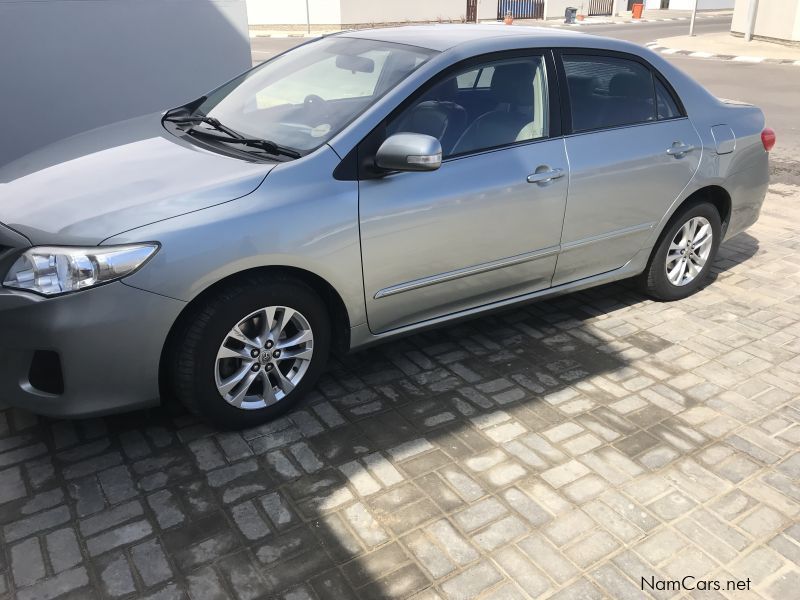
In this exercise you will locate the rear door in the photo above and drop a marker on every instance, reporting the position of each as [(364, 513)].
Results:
[(631, 151)]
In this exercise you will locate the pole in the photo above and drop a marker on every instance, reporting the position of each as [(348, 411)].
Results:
[(694, 15), (615, 8), (308, 18), (752, 10)]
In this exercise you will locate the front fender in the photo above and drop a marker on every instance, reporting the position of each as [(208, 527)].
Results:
[(300, 217)]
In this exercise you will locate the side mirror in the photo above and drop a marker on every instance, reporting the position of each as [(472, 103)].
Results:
[(409, 152)]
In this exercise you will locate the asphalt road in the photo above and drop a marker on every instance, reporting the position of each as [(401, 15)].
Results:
[(775, 88)]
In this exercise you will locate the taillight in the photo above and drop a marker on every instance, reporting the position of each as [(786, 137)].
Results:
[(768, 139)]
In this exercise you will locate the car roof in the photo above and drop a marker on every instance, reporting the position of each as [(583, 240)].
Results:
[(442, 37)]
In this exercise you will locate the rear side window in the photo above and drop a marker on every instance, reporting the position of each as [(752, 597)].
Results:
[(667, 109), (606, 91)]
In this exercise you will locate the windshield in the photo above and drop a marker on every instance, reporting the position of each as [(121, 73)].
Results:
[(303, 98)]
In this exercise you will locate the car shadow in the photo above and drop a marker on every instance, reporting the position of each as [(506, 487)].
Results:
[(392, 446)]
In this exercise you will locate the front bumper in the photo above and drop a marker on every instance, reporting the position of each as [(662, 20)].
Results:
[(107, 340)]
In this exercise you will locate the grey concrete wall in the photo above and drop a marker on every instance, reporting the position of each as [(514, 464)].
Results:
[(67, 66)]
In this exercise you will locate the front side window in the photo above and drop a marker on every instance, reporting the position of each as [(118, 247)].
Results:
[(494, 104), (303, 98), (607, 91)]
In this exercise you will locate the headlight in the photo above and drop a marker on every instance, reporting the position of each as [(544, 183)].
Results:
[(52, 270)]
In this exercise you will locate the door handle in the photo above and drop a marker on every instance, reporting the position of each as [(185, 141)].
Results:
[(678, 149), (545, 176)]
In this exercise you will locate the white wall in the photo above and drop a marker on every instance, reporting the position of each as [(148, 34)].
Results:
[(72, 66), (350, 12), (701, 5), (293, 12), (554, 9), (778, 19), (390, 11)]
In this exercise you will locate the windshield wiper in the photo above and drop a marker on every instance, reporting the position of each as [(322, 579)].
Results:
[(234, 137)]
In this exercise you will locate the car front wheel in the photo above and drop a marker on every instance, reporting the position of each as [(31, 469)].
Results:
[(251, 351), (682, 260)]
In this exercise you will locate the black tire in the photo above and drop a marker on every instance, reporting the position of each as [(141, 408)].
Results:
[(194, 353), (654, 280)]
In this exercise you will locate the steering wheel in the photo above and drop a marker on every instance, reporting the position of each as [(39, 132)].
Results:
[(314, 101)]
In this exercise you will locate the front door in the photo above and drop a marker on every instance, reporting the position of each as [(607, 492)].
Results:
[(632, 153), (476, 231)]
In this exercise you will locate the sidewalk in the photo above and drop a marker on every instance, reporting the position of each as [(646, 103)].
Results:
[(649, 16), (724, 46)]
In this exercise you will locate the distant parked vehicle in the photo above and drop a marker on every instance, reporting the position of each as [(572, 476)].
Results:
[(358, 187)]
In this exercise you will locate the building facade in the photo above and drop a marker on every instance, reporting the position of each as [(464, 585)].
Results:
[(72, 66), (326, 14), (776, 20)]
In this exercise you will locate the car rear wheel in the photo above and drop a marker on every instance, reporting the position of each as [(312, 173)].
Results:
[(686, 250), (251, 351)]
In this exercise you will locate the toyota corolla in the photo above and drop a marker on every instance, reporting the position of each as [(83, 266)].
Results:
[(355, 188)]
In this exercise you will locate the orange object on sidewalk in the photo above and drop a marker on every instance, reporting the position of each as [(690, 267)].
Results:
[(636, 11)]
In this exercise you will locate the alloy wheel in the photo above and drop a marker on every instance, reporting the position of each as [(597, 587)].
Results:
[(264, 357), (689, 251)]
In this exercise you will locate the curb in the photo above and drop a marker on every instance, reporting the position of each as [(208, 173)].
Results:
[(725, 57), (256, 34), (629, 21)]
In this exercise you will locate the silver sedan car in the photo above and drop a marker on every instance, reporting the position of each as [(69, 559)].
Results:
[(355, 188)]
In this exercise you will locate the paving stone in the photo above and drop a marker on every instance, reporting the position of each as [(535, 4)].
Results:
[(34, 524), (278, 510), (401, 583), (589, 550), (166, 509), (522, 572), (111, 518), (568, 527), (480, 514), (672, 506), (117, 484), (611, 579), (526, 507), (12, 486), (62, 549), (375, 565), (564, 474), (463, 484), (117, 577), (499, 533), (433, 558), (205, 584), (119, 536), (548, 558), (61, 584), (27, 563), (243, 576), (471, 582), (364, 524), (249, 520), (785, 585), (448, 538), (504, 474), (580, 590), (660, 546)]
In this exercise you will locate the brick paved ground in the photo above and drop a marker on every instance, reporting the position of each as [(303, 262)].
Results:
[(566, 448)]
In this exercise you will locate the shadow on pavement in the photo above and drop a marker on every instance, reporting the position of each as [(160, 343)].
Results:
[(328, 501)]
